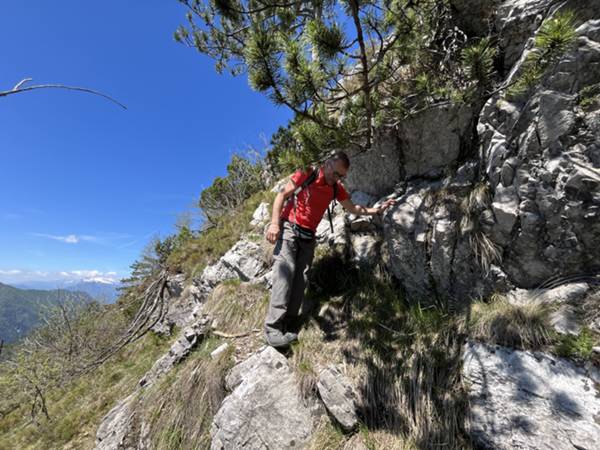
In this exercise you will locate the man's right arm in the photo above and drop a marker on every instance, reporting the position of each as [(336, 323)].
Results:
[(282, 195)]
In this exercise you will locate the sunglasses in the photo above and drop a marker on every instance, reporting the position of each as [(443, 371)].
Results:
[(339, 175)]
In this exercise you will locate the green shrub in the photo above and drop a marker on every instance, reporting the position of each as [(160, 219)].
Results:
[(555, 37), (244, 178), (589, 95), (478, 62), (213, 242), (579, 346)]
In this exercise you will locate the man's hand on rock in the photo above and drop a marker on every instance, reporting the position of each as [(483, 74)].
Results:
[(273, 232), (386, 205)]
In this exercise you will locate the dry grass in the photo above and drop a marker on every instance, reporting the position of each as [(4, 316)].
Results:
[(327, 437), (500, 322), (180, 409), (485, 250), (238, 307), (591, 305), (403, 361)]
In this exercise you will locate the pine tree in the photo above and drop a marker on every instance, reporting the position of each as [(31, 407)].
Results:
[(335, 64)]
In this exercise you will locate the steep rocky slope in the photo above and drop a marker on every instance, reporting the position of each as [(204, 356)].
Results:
[(497, 198)]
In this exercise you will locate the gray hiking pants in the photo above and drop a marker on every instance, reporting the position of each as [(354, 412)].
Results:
[(293, 257)]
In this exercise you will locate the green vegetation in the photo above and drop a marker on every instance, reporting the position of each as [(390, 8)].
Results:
[(478, 63), (344, 69), (579, 347), (75, 408), (244, 178), (527, 327), (21, 310), (327, 437), (212, 243), (555, 37), (238, 307), (589, 96), (472, 206)]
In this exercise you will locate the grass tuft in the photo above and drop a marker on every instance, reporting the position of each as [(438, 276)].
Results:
[(179, 410), (238, 307), (518, 326)]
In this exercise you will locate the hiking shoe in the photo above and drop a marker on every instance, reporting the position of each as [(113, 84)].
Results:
[(276, 338), (291, 337)]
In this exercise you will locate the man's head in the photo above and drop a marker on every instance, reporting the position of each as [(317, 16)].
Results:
[(336, 168)]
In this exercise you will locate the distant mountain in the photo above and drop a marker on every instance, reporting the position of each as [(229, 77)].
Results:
[(21, 310), (103, 291), (100, 291)]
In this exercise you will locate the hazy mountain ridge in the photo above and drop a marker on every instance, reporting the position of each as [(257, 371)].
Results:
[(102, 291), (22, 309)]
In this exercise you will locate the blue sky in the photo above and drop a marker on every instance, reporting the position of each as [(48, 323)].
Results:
[(84, 185)]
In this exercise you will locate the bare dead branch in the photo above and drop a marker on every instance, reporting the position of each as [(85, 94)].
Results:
[(19, 88)]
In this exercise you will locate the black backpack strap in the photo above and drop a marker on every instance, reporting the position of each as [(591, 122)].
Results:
[(329, 208), (311, 178)]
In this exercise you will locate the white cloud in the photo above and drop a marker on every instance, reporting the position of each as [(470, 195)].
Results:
[(109, 239), (10, 272), (17, 276), (69, 239)]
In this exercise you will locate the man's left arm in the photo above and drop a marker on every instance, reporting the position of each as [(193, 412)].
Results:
[(360, 210)]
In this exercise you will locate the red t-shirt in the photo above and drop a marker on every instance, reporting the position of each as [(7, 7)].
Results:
[(312, 200)]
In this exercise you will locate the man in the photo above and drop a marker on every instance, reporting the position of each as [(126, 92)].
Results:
[(293, 228)]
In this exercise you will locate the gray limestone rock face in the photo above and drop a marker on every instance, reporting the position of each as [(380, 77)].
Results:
[(529, 400), (261, 215), (517, 21), (115, 429), (431, 140), (187, 340), (539, 153), (181, 302), (338, 396), (365, 249), (339, 237), (245, 260), (567, 299), (264, 410), (565, 293), (430, 252), (474, 17), (375, 172)]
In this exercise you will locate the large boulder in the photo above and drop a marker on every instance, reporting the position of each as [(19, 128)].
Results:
[(529, 400), (339, 397), (265, 409), (245, 261), (433, 139), (376, 172)]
